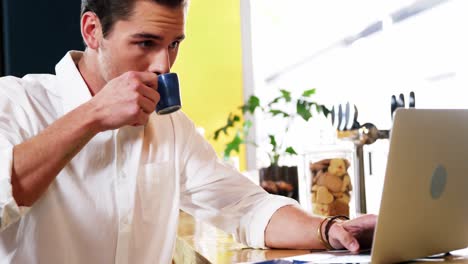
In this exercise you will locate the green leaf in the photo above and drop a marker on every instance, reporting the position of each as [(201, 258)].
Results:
[(308, 93), (286, 95), (247, 125), (325, 110), (291, 151), (231, 121), (233, 146), (216, 134), (276, 112), (273, 141), (322, 109), (274, 101), (303, 109), (252, 103), (318, 108)]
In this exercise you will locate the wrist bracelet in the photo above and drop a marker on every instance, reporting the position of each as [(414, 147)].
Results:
[(331, 220), (320, 236), (330, 223)]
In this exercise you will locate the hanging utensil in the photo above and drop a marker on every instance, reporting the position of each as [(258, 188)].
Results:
[(332, 113), (346, 117), (412, 100), (393, 105), (351, 111), (340, 116), (356, 124), (401, 101)]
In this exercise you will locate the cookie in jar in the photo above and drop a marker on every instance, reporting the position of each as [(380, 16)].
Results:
[(331, 187)]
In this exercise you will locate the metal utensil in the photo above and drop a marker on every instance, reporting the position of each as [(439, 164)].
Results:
[(340, 116), (401, 101), (351, 111), (332, 113), (346, 117), (412, 100), (355, 122), (393, 105)]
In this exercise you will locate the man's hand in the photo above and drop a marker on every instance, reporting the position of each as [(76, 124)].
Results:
[(354, 234), (126, 100)]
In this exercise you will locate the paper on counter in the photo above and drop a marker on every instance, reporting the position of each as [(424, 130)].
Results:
[(337, 256)]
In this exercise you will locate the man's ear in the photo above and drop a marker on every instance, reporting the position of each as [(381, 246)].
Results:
[(91, 30)]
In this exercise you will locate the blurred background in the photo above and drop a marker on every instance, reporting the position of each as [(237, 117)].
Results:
[(360, 51)]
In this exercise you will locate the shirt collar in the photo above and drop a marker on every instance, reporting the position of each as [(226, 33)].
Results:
[(72, 87)]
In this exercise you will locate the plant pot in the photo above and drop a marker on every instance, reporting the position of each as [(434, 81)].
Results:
[(280, 180)]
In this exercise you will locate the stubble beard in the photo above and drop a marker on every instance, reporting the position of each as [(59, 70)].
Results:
[(107, 67)]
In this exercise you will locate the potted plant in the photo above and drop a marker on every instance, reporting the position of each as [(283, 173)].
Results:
[(274, 178)]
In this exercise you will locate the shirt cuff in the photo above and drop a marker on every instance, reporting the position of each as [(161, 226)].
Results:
[(10, 212), (260, 217)]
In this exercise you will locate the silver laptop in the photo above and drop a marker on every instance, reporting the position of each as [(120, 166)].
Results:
[(424, 207)]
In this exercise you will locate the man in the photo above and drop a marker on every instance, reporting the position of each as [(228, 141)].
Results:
[(89, 174)]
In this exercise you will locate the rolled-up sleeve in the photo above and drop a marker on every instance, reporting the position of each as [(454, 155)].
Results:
[(254, 223), (14, 124), (216, 192), (10, 212)]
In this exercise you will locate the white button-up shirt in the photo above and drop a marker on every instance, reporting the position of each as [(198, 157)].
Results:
[(118, 200)]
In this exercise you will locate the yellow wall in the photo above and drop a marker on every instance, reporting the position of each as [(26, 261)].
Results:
[(210, 65)]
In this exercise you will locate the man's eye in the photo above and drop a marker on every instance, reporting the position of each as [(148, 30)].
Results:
[(145, 44), (174, 44)]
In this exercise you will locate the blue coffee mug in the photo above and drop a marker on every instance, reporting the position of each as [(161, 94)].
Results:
[(168, 89)]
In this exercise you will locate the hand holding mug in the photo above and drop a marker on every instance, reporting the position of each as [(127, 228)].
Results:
[(128, 99)]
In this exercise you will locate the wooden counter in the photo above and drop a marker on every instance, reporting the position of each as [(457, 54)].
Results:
[(198, 242)]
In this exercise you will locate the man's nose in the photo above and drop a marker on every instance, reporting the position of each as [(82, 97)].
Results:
[(161, 62)]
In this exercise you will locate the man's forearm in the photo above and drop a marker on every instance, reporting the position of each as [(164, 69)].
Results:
[(37, 161), (291, 227)]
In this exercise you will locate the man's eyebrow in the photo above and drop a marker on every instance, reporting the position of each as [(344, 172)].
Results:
[(181, 37), (153, 36), (147, 36)]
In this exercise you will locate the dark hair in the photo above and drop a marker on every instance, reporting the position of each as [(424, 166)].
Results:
[(110, 11)]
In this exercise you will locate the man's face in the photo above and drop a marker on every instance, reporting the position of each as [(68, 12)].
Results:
[(147, 41)]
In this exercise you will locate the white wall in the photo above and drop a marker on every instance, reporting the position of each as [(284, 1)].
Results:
[(295, 41)]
